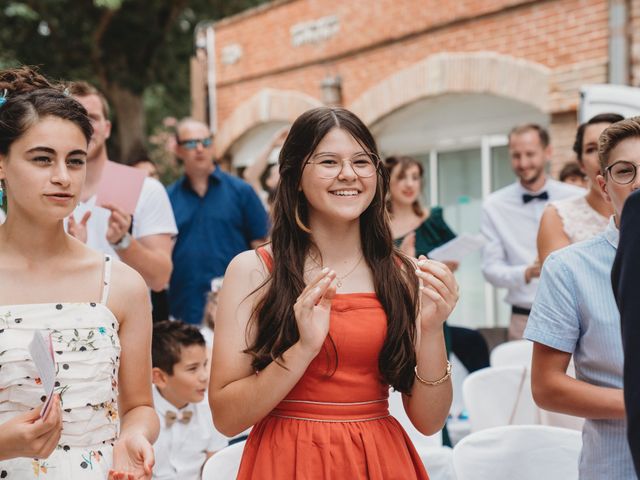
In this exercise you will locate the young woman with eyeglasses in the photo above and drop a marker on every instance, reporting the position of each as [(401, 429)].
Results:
[(312, 329), (575, 314), (575, 219)]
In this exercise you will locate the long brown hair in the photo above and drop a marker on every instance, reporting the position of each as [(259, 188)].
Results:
[(394, 279)]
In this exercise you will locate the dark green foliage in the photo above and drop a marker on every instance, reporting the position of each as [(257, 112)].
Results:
[(140, 46)]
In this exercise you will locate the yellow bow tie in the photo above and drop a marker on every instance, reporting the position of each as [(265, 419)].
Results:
[(171, 417)]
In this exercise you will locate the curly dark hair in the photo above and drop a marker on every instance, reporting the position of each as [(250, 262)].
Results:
[(30, 96)]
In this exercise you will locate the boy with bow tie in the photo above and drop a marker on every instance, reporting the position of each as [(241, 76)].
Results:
[(180, 377)]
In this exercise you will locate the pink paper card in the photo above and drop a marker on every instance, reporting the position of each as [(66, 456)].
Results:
[(120, 185)]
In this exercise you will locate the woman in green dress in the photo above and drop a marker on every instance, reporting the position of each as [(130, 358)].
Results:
[(416, 230)]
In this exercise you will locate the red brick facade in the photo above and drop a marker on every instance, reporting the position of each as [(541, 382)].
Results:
[(389, 53)]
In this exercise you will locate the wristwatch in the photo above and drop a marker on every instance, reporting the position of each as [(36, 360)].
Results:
[(123, 243)]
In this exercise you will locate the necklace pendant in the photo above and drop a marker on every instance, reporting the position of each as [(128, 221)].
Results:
[(339, 284)]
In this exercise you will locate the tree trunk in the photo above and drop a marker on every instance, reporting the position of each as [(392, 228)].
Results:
[(129, 114)]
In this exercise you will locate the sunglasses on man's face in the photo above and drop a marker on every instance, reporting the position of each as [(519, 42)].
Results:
[(192, 144)]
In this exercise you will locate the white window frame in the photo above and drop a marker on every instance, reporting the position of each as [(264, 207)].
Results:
[(485, 143)]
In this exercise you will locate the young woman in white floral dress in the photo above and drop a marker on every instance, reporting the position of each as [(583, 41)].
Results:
[(102, 423)]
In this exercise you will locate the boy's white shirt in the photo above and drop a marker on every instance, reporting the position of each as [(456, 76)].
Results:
[(181, 449)]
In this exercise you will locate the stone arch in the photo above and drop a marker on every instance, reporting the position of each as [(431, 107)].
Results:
[(268, 105), (452, 72)]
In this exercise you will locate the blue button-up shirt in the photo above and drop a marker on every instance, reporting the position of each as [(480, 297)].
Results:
[(211, 231), (575, 312)]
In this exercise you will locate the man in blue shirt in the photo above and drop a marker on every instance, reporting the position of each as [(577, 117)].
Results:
[(218, 216)]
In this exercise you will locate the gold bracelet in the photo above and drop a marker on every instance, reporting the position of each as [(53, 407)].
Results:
[(446, 376)]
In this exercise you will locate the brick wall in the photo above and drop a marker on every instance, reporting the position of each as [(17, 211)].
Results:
[(378, 39)]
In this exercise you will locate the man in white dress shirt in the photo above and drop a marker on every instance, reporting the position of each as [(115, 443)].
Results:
[(510, 218), (143, 241)]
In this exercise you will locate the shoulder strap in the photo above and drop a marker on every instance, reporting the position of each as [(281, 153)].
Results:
[(266, 258), (106, 278)]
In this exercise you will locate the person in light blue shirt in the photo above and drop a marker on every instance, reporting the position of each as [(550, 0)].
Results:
[(574, 313)]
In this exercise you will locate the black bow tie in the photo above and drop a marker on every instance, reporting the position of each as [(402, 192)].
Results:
[(527, 197)]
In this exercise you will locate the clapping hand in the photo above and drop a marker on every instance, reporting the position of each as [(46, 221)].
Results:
[(78, 229), (312, 310), (439, 293), (119, 223)]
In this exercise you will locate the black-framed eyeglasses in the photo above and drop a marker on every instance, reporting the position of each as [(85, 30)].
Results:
[(623, 172), (329, 165), (192, 143)]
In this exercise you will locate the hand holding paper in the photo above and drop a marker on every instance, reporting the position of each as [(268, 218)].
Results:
[(30, 435), (41, 350)]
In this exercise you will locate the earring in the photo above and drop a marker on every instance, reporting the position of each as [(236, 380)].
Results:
[(1, 194), (299, 222)]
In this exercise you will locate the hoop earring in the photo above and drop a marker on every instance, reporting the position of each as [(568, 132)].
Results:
[(299, 222)]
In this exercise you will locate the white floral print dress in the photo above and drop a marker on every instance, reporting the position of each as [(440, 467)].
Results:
[(87, 354)]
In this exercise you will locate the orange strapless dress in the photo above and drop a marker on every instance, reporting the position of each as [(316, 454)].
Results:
[(335, 423)]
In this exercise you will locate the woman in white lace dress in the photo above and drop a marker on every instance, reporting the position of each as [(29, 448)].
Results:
[(575, 219), (96, 311)]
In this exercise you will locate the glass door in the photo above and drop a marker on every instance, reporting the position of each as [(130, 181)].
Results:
[(458, 180), (460, 196)]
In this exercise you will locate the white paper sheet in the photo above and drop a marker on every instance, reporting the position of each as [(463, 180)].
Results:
[(41, 350), (458, 248)]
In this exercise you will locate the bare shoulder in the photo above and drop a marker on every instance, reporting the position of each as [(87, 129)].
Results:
[(127, 288), (248, 270), (550, 217)]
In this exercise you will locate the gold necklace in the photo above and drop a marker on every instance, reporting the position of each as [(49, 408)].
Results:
[(340, 279)]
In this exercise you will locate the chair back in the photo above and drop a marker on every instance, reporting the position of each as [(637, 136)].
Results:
[(511, 354), (522, 452), (497, 396), (224, 464)]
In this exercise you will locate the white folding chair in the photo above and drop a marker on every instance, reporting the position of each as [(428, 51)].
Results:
[(497, 396), (522, 452), (512, 354), (224, 464)]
